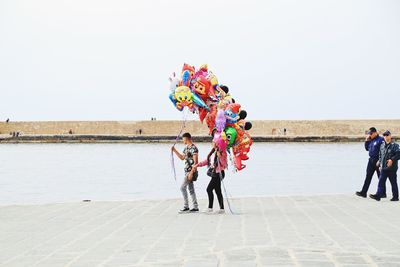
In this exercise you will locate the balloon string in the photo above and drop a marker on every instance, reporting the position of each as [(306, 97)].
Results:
[(225, 191), (226, 194), (176, 141), (234, 170)]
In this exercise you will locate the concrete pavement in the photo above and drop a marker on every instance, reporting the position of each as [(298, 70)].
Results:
[(335, 230)]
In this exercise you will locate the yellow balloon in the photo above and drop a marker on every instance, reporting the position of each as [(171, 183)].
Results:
[(204, 66), (223, 135), (212, 78), (183, 93)]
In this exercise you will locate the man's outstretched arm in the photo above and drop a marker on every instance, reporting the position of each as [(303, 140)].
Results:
[(179, 155)]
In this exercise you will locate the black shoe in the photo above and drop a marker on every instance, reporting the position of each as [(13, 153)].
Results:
[(184, 210), (194, 210), (384, 196), (376, 197), (360, 194), (394, 199)]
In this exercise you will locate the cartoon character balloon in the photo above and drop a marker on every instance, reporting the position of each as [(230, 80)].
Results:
[(231, 135), (202, 87), (183, 97), (190, 69), (232, 113)]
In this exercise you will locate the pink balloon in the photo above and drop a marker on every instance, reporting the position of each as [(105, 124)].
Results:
[(220, 141)]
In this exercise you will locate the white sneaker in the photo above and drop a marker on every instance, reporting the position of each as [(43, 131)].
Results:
[(221, 211), (208, 211)]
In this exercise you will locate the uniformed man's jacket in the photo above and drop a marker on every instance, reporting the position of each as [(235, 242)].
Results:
[(389, 151), (373, 146)]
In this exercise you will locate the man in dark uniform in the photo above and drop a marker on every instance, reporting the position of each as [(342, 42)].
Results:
[(372, 145), (389, 156)]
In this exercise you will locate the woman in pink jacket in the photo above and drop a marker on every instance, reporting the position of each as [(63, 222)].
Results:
[(216, 170)]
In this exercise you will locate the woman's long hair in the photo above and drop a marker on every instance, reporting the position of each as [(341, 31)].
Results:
[(213, 150)]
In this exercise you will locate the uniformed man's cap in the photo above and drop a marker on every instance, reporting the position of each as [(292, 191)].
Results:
[(387, 133), (372, 130)]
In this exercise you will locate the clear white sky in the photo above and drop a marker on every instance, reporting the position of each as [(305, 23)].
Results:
[(110, 60)]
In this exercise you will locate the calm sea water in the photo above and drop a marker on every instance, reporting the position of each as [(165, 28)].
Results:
[(47, 173)]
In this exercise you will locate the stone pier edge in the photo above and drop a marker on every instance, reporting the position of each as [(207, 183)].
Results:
[(166, 139)]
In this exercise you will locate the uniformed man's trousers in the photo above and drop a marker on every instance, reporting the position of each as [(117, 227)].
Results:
[(392, 175)]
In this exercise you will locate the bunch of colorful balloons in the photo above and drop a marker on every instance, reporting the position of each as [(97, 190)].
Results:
[(200, 92)]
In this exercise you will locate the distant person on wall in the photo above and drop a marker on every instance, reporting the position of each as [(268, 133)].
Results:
[(372, 144), (389, 156), (191, 157)]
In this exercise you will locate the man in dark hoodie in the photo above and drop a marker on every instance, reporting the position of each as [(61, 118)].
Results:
[(389, 156), (372, 144)]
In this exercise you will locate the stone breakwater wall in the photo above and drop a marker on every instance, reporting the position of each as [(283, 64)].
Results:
[(143, 131)]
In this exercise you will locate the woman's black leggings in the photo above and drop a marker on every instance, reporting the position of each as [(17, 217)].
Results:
[(215, 184)]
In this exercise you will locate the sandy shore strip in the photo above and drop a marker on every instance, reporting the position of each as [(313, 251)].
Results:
[(328, 230)]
